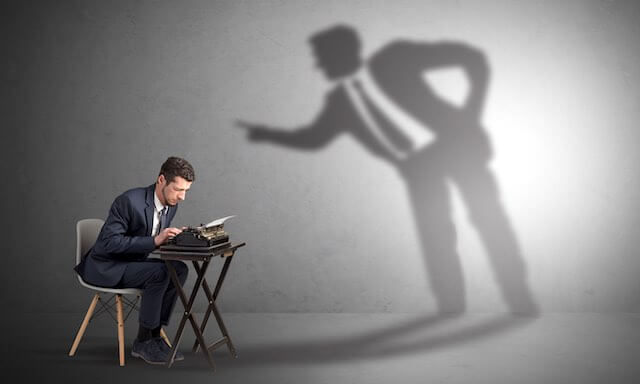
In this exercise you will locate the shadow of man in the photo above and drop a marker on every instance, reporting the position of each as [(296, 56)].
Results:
[(381, 101)]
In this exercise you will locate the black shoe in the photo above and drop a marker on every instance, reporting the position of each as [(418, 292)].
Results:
[(165, 348), (149, 351)]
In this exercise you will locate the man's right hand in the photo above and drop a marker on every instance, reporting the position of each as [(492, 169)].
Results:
[(165, 234), (255, 132)]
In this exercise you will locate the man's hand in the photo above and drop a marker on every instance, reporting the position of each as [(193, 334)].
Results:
[(165, 234), (255, 132)]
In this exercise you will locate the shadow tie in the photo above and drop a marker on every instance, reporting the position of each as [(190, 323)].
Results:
[(392, 133)]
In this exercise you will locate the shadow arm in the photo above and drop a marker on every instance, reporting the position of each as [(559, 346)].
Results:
[(314, 135), (470, 59)]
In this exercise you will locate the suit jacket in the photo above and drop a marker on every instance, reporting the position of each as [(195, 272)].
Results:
[(125, 237)]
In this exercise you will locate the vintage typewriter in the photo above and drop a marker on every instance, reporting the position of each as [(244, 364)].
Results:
[(200, 237), (203, 237)]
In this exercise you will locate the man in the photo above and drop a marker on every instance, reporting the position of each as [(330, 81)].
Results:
[(138, 222), (382, 101)]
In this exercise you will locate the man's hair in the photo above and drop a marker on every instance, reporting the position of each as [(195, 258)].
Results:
[(339, 39), (175, 166)]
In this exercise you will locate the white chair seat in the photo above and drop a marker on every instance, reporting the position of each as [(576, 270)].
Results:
[(116, 291)]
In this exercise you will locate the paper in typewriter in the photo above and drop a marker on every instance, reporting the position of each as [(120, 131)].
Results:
[(219, 221)]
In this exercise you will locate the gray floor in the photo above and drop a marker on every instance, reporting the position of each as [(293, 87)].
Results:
[(347, 348)]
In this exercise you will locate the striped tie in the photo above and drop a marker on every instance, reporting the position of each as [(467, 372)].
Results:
[(399, 140)]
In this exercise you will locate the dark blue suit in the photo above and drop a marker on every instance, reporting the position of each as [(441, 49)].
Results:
[(125, 236), (119, 256)]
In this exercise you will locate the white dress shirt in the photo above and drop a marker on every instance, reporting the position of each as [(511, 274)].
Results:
[(158, 207)]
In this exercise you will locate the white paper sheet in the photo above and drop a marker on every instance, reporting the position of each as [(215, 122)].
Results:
[(219, 221)]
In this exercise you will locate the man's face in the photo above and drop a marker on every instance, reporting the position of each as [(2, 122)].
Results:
[(174, 191)]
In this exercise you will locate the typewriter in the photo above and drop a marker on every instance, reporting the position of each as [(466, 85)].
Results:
[(200, 237), (203, 236)]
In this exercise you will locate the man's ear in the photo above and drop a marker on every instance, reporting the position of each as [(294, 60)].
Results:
[(161, 179)]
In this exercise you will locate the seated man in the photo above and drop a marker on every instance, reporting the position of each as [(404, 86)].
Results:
[(138, 222)]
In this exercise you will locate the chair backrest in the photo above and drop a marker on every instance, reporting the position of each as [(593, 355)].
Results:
[(87, 231)]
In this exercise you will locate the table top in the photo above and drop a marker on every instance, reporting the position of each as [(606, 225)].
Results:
[(199, 253)]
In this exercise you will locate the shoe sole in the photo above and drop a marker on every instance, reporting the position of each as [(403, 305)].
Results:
[(176, 358), (135, 354)]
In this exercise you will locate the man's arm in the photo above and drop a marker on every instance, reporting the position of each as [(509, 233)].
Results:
[(472, 61), (312, 136), (113, 238)]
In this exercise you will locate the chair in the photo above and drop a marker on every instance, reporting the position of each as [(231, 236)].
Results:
[(87, 231)]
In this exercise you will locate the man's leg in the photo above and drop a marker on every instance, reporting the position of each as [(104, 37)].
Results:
[(431, 206), (480, 192), (153, 278), (171, 294)]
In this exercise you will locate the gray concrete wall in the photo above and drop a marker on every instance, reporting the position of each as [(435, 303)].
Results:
[(97, 94)]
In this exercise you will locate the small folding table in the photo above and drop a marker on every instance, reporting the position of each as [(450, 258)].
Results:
[(201, 258)]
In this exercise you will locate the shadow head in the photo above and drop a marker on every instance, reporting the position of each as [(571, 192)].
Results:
[(337, 51)]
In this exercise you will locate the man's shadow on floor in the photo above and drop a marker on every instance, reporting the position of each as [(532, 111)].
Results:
[(390, 341)]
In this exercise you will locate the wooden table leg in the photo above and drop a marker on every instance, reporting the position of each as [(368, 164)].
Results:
[(188, 304), (223, 329), (212, 308)]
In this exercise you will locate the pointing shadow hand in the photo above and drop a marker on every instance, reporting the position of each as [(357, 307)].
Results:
[(255, 132)]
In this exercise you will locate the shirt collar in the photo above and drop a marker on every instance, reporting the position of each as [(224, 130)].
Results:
[(157, 203)]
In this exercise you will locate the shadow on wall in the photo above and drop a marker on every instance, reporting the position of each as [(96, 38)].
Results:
[(386, 104)]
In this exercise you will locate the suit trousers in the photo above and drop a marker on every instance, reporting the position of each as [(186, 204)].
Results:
[(159, 294)]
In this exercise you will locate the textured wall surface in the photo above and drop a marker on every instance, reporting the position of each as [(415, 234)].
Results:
[(97, 94)]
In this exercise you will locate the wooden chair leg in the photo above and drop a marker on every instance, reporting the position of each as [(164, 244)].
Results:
[(120, 317), (164, 337), (84, 324)]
